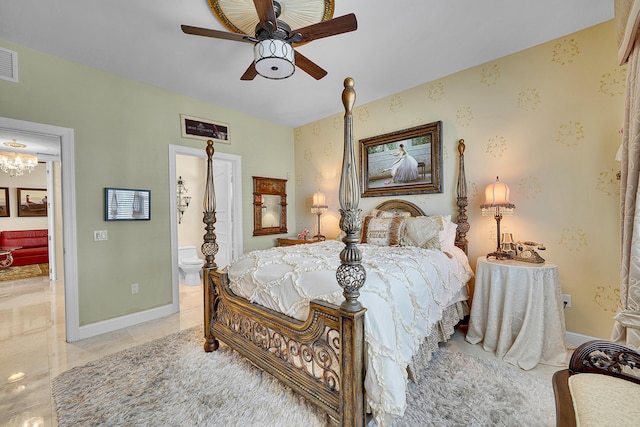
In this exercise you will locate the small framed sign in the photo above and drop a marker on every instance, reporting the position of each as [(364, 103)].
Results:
[(122, 204), (197, 128)]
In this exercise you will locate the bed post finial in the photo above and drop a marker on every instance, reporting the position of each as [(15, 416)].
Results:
[(463, 224), (351, 274), (348, 96), (209, 247)]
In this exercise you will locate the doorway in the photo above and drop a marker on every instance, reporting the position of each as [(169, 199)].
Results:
[(228, 187), (65, 137)]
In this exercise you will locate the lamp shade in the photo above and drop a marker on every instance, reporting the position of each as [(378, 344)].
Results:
[(319, 203), (496, 194), (496, 200), (319, 200)]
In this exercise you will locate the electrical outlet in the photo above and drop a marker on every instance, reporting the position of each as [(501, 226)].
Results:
[(100, 235), (135, 288), (566, 299)]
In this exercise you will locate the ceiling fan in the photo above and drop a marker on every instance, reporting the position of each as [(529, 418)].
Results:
[(274, 40)]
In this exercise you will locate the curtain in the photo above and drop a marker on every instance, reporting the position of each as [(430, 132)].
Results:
[(626, 329)]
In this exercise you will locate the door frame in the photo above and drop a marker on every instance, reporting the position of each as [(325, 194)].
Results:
[(236, 208), (69, 233)]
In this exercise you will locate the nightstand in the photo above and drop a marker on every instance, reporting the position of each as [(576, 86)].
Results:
[(291, 242), (517, 312)]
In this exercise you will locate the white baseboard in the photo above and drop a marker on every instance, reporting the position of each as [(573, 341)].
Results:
[(574, 339), (121, 322)]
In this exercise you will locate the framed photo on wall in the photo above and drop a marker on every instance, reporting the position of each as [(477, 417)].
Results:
[(204, 129), (32, 202), (402, 162), (4, 202), (123, 204)]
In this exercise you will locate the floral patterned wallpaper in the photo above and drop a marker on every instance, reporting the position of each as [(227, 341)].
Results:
[(546, 121)]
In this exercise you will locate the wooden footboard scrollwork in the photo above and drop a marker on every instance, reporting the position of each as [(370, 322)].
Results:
[(323, 357)]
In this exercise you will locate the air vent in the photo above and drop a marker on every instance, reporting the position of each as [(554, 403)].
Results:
[(8, 65)]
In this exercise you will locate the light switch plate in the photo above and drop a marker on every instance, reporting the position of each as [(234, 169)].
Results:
[(99, 235)]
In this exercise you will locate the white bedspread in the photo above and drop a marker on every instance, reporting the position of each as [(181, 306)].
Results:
[(405, 292)]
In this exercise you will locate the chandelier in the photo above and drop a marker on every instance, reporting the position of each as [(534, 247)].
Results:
[(14, 163)]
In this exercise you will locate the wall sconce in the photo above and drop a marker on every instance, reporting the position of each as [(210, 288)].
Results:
[(497, 204), (318, 207), (183, 201)]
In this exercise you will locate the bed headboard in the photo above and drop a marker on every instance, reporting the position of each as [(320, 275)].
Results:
[(397, 205), (461, 219)]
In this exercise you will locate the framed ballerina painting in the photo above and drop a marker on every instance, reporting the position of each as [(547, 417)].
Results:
[(402, 162)]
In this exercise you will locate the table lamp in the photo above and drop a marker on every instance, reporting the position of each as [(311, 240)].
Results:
[(319, 206), (496, 203)]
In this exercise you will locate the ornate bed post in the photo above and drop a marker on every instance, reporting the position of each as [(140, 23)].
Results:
[(209, 250), (209, 247), (463, 224), (351, 276)]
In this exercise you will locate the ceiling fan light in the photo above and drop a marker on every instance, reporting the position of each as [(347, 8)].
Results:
[(273, 59)]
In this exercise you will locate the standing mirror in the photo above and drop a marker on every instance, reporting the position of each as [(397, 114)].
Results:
[(269, 206)]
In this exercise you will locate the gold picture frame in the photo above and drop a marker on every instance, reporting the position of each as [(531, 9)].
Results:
[(5, 208), (32, 202), (408, 161)]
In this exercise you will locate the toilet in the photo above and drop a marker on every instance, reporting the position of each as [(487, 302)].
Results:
[(189, 266)]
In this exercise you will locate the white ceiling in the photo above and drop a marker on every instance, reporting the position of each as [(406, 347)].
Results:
[(398, 45)]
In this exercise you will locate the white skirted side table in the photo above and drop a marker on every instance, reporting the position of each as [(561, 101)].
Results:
[(517, 312)]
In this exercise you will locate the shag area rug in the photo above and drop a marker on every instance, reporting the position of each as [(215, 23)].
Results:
[(23, 272), (173, 382)]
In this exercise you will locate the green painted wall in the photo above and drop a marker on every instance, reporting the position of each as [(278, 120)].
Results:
[(122, 131)]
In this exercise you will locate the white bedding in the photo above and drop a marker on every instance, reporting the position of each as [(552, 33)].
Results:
[(405, 292)]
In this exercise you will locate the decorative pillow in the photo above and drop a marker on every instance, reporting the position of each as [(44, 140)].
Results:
[(365, 228), (420, 230), (448, 235), (376, 213), (383, 231)]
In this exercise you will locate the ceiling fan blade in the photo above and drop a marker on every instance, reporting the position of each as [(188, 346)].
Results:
[(309, 67), (250, 74), (197, 31), (266, 13), (342, 24)]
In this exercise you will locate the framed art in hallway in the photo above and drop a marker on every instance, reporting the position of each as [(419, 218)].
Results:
[(4, 202), (123, 204), (204, 129), (408, 161), (32, 202)]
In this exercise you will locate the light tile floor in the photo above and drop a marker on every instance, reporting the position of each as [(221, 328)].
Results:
[(32, 341)]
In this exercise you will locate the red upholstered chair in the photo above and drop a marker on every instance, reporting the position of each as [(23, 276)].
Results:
[(600, 387)]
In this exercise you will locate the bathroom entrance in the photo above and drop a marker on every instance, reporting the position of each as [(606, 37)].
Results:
[(188, 173)]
